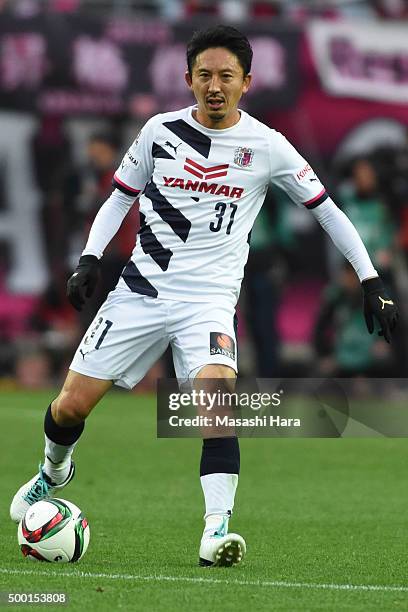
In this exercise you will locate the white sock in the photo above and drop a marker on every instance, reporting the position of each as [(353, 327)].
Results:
[(57, 461), (219, 493)]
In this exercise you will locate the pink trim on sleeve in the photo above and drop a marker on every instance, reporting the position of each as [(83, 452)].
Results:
[(135, 191), (319, 195)]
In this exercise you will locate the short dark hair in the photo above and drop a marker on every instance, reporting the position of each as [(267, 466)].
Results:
[(220, 36)]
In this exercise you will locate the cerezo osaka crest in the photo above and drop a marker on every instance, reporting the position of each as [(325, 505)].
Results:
[(243, 156)]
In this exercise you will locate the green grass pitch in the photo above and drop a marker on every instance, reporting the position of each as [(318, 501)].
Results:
[(325, 520)]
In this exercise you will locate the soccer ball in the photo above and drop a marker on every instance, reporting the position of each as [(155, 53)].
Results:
[(53, 530)]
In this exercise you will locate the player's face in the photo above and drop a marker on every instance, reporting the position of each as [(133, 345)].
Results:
[(218, 83)]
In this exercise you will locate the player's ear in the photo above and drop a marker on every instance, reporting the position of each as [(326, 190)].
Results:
[(247, 83), (188, 78)]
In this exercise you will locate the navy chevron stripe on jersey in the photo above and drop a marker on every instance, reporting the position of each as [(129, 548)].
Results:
[(158, 151), (196, 139), (136, 282), (174, 217), (319, 199), (151, 246)]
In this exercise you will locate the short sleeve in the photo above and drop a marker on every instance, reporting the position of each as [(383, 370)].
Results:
[(136, 166), (291, 172)]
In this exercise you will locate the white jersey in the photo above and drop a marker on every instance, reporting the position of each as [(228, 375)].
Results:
[(200, 192)]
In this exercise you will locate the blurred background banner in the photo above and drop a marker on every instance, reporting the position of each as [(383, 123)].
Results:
[(110, 65), (369, 62)]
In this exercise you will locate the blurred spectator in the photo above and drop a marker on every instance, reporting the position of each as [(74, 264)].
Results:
[(263, 278), (361, 200), (171, 10), (52, 164), (25, 8), (231, 10), (32, 369), (342, 344), (200, 7), (54, 325), (95, 186), (7, 354), (234, 10), (64, 6), (261, 9), (394, 171), (302, 11), (392, 9)]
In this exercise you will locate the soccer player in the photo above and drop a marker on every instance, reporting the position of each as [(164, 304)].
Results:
[(200, 174)]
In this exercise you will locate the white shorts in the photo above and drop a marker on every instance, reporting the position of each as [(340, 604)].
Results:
[(131, 331)]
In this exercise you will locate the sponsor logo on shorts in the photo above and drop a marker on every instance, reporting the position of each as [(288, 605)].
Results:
[(91, 334), (221, 344)]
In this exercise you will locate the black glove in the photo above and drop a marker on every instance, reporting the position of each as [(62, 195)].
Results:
[(82, 283), (378, 304)]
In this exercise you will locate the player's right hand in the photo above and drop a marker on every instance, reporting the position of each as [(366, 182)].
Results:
[(82, 283)]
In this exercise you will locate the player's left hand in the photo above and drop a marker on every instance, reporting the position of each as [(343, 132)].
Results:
[(378, 305), (82, 283)]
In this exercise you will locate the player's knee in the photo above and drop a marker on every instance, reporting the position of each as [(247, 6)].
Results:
[(70, 407), (215, 377), (214, 370)]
